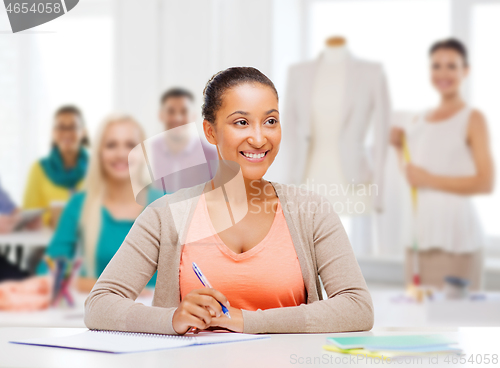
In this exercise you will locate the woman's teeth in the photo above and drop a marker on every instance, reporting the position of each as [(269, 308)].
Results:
[(254, 155)]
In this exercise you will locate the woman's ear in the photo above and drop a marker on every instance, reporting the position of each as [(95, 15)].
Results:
[(209, 130)]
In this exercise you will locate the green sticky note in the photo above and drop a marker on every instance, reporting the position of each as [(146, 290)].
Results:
[(390, 342)]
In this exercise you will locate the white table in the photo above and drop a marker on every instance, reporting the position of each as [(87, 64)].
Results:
[(283, 350)]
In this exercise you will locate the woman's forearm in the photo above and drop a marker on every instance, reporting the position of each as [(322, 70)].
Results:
[(465, 185), (349, 311)]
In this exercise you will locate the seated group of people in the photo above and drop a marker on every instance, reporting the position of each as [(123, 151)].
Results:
[(86, 194)]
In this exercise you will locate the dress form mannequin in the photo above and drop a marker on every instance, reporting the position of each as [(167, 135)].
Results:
[(323, 172)]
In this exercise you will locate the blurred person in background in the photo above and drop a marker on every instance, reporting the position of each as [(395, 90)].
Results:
[(53, 179), (176, 108), (450, 162), (101, 216), (10, 215), (180, 148)]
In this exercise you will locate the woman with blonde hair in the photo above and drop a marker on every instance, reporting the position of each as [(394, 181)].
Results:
[(101, 216)]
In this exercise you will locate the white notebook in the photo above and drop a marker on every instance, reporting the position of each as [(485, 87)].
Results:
[(130, 342)]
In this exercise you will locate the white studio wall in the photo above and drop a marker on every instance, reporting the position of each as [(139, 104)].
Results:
[(162, 44), (137, 50), (167, 44)]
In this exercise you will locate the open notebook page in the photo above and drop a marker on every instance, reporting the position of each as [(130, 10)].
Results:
[(127, 342)]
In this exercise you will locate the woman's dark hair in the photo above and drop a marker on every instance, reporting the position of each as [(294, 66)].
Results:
[(451, 44), (72, 109), (224, 80)]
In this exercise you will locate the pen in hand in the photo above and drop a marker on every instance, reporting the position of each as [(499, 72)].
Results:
[(206, 283)]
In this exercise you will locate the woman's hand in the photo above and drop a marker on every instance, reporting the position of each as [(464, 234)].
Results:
[(197, 309), (235, 323), (35, 224), (28, 295), (418, 177)]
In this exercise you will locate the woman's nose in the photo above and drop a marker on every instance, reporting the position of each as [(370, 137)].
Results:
[(124, 153), (257, 137)]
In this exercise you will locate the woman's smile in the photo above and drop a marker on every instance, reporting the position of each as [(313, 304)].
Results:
[(254, 156)]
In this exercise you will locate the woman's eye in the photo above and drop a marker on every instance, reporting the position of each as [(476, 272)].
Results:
[(272, 121), (240, 122)]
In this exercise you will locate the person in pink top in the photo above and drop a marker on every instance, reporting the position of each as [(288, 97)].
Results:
[(262, 245)]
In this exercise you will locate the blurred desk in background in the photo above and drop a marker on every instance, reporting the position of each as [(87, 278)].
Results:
[(26, 238), (394, 309), (27, 245), (54, 317)]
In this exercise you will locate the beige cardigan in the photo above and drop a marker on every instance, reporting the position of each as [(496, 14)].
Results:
[(154, 244)]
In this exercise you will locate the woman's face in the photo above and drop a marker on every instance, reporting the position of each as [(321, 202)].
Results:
[(119, 139), (68, 132), (448, 70), (247, 128)]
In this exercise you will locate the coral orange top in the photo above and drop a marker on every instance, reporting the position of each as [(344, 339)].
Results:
[(266, 276)]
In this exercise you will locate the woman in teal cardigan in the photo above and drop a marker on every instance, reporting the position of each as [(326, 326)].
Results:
[(100, 217)]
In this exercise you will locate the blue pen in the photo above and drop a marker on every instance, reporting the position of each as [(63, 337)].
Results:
[(205, 283)]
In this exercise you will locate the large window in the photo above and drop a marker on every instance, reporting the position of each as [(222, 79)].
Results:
[(68, 60), (76, 65), (80, 72)]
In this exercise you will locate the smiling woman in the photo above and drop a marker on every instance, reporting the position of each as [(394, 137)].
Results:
[(265, 268), (451, 162)]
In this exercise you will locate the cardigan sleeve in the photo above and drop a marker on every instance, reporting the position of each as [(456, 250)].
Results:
[(348, 307), (111, 303)]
